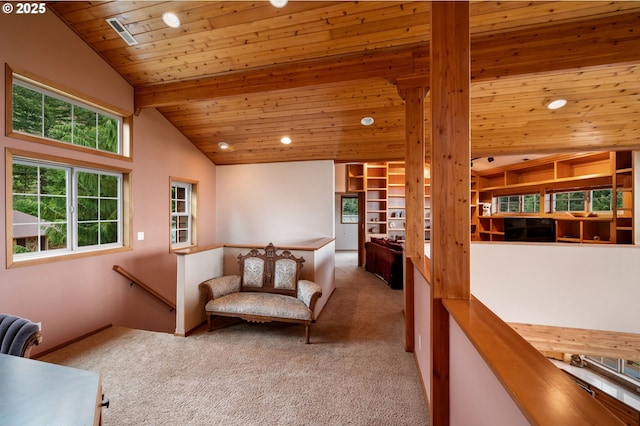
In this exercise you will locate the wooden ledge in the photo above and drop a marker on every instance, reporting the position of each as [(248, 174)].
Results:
[(581, 341), (197, 249), (544, 394), (309, 245)]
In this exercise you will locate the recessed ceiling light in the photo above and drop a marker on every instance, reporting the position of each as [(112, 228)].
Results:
[(366, 121), (286, 140), (278, 3), (557, 104), (171, 19), (223, 145)]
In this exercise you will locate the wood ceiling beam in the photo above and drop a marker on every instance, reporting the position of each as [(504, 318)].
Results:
[(559, 47), (566, 46), (382, 63)]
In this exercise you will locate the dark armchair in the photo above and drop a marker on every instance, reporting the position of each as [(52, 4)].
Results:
[(18, 335)]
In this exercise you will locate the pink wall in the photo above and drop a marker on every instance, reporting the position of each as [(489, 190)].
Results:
[(476, 395), (77, 296), (422, 328)]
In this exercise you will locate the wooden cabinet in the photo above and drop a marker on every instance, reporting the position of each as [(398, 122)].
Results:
[(491, 228), (355, 177), (584, 230)]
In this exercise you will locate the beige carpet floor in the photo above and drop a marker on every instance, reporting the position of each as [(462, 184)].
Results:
[(355, 372)]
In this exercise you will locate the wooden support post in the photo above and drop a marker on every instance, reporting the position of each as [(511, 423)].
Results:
[(413, 88), (450, 183), (414, 173), (414, 196)]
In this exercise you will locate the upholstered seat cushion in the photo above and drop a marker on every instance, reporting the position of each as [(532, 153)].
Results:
[(259, 304)]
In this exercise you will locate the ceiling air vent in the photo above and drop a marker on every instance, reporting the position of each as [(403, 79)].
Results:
[(122, 31)]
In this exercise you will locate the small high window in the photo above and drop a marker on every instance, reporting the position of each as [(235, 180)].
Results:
[(528, 203), (42, 113), (183, 196)]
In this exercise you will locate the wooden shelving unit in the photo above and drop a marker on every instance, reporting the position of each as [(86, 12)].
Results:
[(562, 173), (396, 215), (474, 206), (427, 208), (584, 230), (384, 187), (623, 184), (375, 179), (491, 228), (355, 177)]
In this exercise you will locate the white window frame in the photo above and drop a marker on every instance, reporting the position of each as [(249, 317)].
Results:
[(190, 188), (73, 103), (72, 168), (73, 98), (586, 200), (536, 202), (597, 363), (509, 203), (75, 209)]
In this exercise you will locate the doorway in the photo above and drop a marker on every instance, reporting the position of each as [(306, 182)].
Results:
[(350, 227)]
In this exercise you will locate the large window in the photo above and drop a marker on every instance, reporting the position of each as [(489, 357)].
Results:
[(183, 199), (58, 208), (596, 200), (45, 114), (626, 370)]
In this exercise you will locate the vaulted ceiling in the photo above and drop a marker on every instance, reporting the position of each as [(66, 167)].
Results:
[(247, 73)]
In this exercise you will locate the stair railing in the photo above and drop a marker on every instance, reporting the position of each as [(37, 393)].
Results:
[(133, 280)]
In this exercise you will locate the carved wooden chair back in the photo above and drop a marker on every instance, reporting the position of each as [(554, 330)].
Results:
[(269, 271)]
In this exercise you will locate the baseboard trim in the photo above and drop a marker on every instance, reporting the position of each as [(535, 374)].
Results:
[(77, 339)]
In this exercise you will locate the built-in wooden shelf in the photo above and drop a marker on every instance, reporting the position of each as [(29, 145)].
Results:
[(569, 172)]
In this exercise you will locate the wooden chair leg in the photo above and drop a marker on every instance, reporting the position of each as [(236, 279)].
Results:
[(307, 333)]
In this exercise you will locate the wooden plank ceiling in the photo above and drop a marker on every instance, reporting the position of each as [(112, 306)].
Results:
[(247, 73)]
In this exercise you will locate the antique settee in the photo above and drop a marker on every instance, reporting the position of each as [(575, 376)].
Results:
[(384, 258), (268, 289)]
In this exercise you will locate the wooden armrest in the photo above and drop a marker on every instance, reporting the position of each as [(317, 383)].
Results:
[(220, 286)]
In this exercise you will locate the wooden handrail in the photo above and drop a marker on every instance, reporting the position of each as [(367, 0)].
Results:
[(133, 280), (543, 393)]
